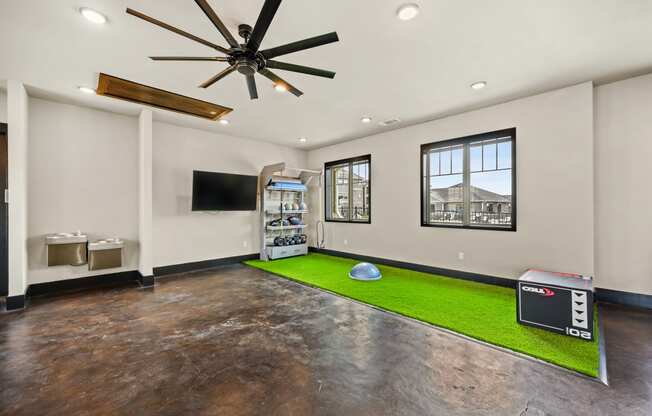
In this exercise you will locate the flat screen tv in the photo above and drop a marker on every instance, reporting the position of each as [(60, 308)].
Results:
[(212, 191)]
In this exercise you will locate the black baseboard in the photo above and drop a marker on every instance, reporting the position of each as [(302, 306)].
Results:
[(481, 278), (15, 302), (146, 281), (638, 300), (601, 295), (82, 283), (201, 265)]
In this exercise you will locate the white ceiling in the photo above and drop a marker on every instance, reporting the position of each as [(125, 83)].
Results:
[(386, 68)]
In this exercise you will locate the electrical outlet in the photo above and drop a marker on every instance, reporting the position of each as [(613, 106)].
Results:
[(460, 255), (245, 244), (346, 242)]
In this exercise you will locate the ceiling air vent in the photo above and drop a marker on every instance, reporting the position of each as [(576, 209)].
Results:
[(389, 122)]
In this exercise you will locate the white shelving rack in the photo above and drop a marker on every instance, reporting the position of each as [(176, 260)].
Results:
[(272, 206)]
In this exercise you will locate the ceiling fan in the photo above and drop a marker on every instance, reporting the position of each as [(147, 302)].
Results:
[(246, 58)]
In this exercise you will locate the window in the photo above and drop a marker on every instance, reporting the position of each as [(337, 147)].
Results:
[(348, 190), (470, 182)]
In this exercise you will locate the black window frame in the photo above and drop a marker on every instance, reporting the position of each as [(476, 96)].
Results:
[(425, 148), (350, 162)]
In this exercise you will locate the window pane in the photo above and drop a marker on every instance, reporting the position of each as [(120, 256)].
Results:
[(329, 193), (458, 160), (360, 192), (491, 199), (434, 163), (476, 158), (446, 200), (484, 176), (445, 162), (505, 155), (340, 192), (347, 186), (489, 156)]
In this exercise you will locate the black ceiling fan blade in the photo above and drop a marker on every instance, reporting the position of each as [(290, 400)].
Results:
[(300, 68), (251, 85), (218, 77), (262, 24), (210, 13), (189, 58), (278, 80), (300, 45), (175, 30)]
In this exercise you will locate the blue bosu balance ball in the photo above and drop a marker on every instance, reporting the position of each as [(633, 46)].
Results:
[(365, 271)]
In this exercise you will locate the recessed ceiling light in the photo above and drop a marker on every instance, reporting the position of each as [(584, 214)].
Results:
[(224, 121), (366, 119), (86, 90), (407, 11), (303, 139), (93, 15), (280, 87), (479, 85)]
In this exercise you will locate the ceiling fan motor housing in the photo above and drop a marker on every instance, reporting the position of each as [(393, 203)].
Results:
[(246, 66)]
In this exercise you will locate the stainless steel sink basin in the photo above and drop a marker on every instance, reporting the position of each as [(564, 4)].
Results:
[(105, 254), (66, 249)]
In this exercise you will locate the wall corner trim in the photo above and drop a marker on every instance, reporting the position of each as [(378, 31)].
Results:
[(146, 281)]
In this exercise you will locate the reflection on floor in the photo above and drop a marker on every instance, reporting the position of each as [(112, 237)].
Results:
[(238, 341)]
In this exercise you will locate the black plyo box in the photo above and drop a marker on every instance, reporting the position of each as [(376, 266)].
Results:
[(558, 302)]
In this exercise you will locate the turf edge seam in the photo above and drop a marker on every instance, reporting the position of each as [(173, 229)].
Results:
[(602, 351)]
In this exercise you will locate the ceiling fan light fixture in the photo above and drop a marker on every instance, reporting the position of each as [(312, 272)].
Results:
[(93, 16), (224, 122), (303, 139), (407, 11), (479, 85), (280, 87)]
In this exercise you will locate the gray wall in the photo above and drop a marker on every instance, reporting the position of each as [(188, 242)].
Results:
[(623, 197), (82, 176), (182, 236), (73, 149), (555, 163)]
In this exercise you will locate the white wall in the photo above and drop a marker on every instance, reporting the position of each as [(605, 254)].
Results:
[(145, 181), (554, 190), (17, 146), (182, 236), (3, 107), (623, 151), (83, 175)]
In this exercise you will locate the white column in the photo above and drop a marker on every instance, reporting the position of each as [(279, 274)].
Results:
[(17, 116), (145, 265)]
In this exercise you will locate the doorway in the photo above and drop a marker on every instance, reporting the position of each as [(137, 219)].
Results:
[(4, 213)]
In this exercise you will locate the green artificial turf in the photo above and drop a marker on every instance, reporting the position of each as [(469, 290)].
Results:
[(481, 311)]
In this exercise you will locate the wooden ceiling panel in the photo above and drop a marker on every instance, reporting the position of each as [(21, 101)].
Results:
[(123, 89)]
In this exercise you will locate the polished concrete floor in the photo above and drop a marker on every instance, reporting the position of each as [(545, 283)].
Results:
[(238, 341)]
